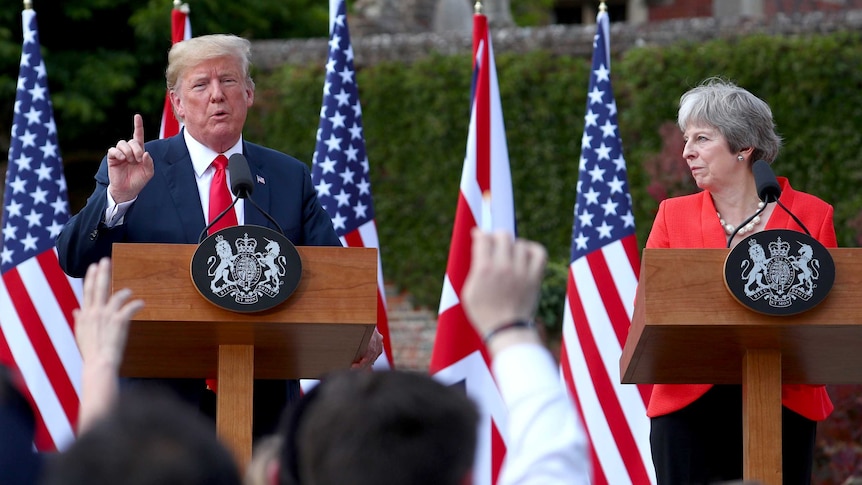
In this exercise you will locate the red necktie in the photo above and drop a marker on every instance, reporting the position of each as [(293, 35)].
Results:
[(220, 199), (220, 196)]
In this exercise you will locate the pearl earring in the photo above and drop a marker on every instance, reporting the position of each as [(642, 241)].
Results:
[(740, 158)]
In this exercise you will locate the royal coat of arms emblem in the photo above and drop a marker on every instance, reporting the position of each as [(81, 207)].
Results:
[(246, 268), (792, 275)]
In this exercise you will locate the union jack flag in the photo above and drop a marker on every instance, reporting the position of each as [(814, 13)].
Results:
[(485, 199), (600, 295), (340, 170), (36, 297)]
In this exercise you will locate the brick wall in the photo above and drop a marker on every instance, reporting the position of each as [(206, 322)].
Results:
[(680, 9), (411, 331)]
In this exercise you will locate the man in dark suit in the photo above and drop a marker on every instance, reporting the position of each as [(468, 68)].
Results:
[(159, 191)]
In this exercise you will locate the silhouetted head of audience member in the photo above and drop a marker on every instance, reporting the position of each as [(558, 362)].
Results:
[(148, 438), (379, 428), (19, 463)]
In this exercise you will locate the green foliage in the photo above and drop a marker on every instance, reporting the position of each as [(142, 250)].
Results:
[(553, 298), (528, 13)]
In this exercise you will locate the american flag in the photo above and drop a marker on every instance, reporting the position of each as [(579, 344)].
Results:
[(340, 170), (36, 297), (603, 276), (485, 200), (181, 29)]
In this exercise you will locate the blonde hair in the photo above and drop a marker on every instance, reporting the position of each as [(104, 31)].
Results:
[(191, 52)]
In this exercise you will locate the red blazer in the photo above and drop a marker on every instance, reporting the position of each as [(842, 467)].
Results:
[(690, 222)]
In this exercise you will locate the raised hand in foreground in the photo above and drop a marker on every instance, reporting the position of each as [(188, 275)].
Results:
[(101, 329)]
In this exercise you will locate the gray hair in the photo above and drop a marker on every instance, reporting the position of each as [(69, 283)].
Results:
[(741, 117), (191, 52)]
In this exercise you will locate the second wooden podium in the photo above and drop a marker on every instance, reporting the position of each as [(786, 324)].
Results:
[(688, 329), (324, 325)]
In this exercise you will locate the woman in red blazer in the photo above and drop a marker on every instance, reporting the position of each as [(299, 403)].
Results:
[(696, 429)]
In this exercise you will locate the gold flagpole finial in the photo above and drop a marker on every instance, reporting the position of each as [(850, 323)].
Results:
[(603, 7), (28, 4), (182, 7), (477, 7)]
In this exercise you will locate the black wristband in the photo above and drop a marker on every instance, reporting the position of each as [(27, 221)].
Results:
[(508, 326)]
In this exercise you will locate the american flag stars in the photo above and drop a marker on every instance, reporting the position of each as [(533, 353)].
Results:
[(35, 203), (603, 208), (341, 168)]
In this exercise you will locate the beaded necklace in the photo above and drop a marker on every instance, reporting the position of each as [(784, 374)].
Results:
[(729, 228)]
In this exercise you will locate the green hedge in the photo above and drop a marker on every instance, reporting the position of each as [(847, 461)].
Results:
[(416, 117)]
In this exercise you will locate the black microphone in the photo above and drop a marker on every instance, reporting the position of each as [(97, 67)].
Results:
[(764, 178), (240, 176), (768, 190), (242, 186)]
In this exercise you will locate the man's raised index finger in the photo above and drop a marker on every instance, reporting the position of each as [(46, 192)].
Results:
[(138, 135)]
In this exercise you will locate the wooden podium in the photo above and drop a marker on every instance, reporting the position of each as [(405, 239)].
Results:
[(688, 329), (324, 325)]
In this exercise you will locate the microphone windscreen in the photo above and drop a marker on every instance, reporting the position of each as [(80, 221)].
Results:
[(240, 175), (767, 185)]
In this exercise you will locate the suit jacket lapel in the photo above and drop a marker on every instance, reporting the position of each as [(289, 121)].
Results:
[(183, 190), (261, 194), (712, 232)]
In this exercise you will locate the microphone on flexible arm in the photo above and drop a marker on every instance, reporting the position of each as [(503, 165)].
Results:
[(768, 190), (240, 176), (241, 185), (767, 185)]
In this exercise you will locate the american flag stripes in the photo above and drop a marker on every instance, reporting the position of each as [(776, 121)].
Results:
[(600, 295), (36, 297), (181, 29), (485, 200), (340, 170)]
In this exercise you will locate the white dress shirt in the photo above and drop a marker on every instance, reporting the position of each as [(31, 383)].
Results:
[(547, 443)]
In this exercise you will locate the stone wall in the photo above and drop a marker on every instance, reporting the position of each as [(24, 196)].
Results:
[(560, 39)]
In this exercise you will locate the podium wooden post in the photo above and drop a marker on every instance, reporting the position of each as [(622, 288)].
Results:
[(688, 329), (324, 325)]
